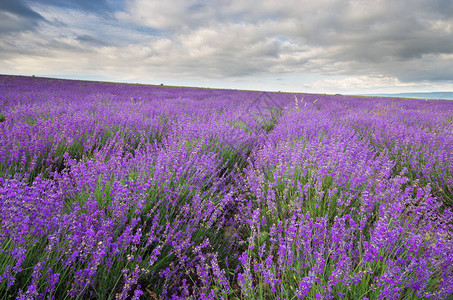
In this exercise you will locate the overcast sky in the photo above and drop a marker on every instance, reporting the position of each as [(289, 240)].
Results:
[(324, 46)]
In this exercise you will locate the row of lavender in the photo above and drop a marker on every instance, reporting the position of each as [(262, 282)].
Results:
[(128, 191)]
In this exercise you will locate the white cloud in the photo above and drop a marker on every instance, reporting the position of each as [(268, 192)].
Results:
[(379, 84)]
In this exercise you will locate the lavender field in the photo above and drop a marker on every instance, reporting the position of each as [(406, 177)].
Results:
[(123, 191)]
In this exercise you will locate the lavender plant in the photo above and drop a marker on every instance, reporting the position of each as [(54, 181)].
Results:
[(111, 191)]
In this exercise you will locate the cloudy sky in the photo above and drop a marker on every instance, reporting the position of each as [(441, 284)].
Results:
[(324, 46)]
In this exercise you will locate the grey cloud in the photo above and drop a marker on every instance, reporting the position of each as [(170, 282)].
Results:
[(10, 23), (98, 6), (19, 8), (427, 68), (442, 7), (350, 25), (15, 16), (92, 40)]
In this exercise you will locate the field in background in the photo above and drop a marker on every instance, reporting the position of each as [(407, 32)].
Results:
[(111, 191)]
